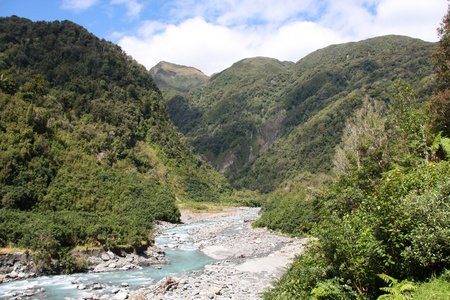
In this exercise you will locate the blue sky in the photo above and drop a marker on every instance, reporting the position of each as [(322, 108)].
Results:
[(213, 34)]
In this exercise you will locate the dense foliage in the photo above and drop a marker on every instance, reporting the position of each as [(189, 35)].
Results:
[(382, 227), (88, 154), (263, 121)]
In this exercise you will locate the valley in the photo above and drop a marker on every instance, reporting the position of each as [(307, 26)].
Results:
[(228, 174)]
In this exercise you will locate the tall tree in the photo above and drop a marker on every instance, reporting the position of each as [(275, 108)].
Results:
[(364, 140), (440, 103)]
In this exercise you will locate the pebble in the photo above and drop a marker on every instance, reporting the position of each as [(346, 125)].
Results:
[(221, 279)]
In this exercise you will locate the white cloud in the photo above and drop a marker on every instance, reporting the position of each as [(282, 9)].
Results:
[(238, 12), (194, 42), (211, 35), (133, 7), (77, 5), (418, 18), (293, 41)]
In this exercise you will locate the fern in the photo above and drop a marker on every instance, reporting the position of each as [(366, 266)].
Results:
[(396, 290)]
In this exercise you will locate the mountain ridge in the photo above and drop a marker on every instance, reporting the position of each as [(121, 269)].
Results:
[(180, 78), (225, 119)]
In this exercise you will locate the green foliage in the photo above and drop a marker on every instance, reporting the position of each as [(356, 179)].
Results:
[(306, 278), (293, 216), (88, 154), (293, 208), (263, 121), (394, 221), (364, 143), (436, 288), (439, 107), (179, 78), (396, 290)]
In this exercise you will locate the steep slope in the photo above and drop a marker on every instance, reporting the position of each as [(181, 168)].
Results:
[(85, 135), (235, 115), (296, 112), (170, 76)]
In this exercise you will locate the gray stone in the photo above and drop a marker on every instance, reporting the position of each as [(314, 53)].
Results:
[(89, 297), (97, 287), (13, 274), (105, 257), (216, 290), (120, 296)]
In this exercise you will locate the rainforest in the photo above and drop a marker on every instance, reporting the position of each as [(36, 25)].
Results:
[(349, 146)]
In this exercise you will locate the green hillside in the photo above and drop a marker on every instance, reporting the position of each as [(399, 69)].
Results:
[(170, 76), (263, 121), (88, 154), (380, 223)]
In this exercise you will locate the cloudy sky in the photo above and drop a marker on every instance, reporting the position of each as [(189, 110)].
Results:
[(213, 34)]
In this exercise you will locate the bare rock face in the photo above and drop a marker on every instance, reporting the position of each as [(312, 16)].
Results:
[(260, 141), (124, 259), (15, 266)]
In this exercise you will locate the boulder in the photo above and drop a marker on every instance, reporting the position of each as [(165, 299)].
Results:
[(122, 295)]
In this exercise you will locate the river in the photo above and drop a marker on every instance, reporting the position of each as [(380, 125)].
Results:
[(219, 236)]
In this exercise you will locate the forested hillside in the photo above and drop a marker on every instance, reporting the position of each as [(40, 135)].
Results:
[(88, 154), (381, 226), (262, 122)]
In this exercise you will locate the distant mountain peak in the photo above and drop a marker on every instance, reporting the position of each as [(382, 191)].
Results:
[(177, 77)]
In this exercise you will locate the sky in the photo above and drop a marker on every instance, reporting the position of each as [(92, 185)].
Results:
[(211, 35)]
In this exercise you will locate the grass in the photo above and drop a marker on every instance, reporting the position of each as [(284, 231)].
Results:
[(204, 207), (437, 288), (11, 249)]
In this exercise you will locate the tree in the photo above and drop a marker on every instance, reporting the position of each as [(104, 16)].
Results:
[(440, 102), (364, 140), (410, 131)]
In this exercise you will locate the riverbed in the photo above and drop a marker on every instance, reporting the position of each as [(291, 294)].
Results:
[(213, 256)]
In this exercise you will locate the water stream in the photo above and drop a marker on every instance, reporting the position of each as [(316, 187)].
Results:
[(180, 250)]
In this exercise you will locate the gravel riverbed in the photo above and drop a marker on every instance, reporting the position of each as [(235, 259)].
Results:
[(247, 259), (241, 263)]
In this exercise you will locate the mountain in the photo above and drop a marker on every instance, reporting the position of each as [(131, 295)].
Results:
[(88, 154), (170, 76), (262, 121)]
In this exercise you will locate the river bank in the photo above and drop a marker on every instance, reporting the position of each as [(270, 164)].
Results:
[(248, 259), (212, 256), (20, 265)]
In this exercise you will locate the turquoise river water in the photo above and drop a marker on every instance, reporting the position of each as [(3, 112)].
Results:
[(184, 259)]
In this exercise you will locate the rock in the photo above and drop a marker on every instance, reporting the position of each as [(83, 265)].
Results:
[(215, 290), (112, 266), (120, 296), (89, 297), (124, 285), (97, 287), (82, 287), (115, 290), (105, 257), (13, 274)]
